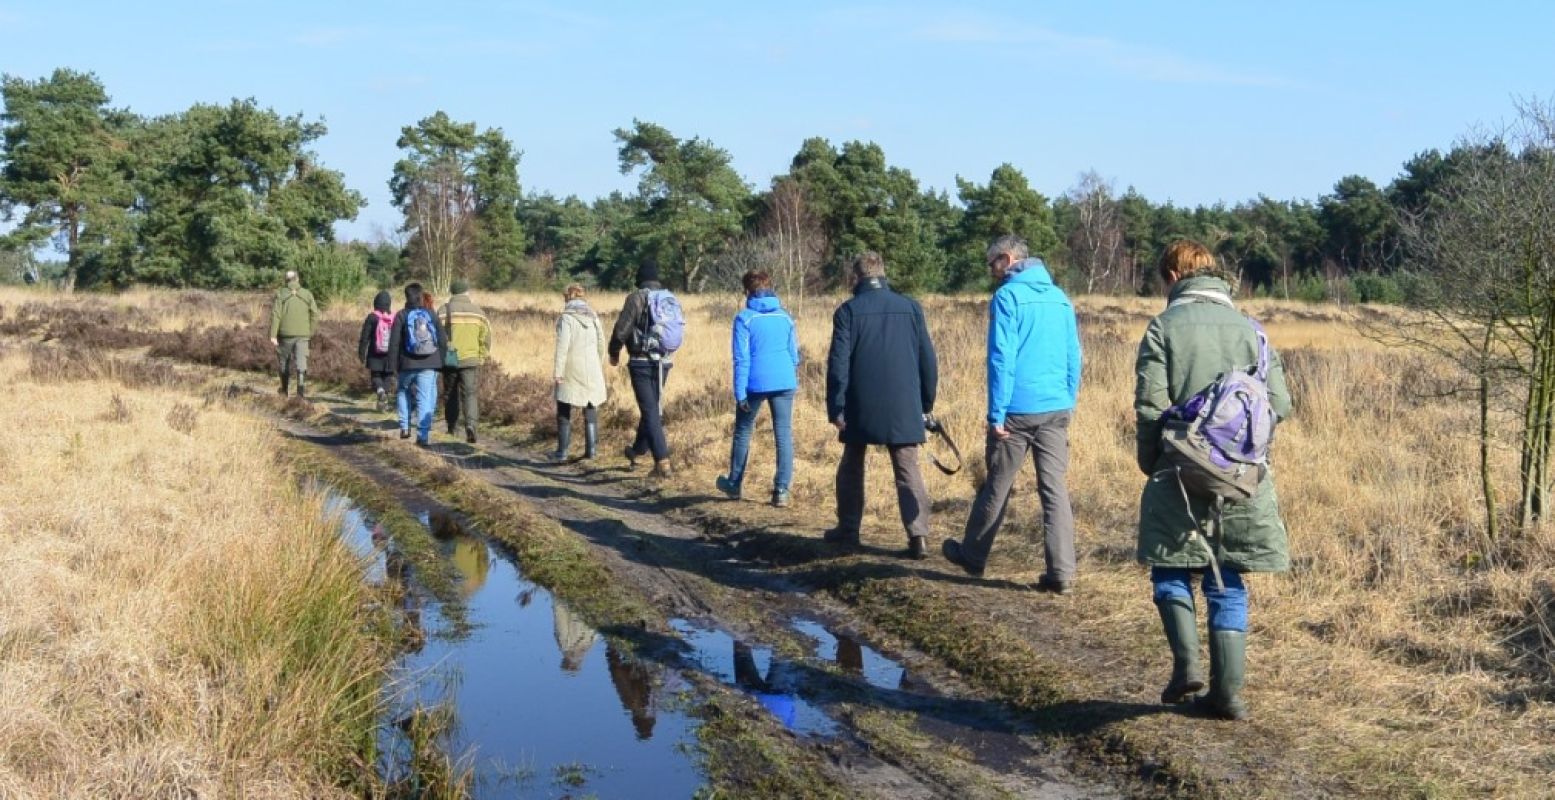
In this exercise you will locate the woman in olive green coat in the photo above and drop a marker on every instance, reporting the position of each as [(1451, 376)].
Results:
[(1198, 337)]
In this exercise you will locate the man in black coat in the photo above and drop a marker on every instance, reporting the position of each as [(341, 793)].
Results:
[(881, 379)]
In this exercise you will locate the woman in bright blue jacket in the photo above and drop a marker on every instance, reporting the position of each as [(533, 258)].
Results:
[(766, 358)]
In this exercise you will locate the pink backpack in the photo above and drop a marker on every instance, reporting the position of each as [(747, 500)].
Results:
[(381, 334)]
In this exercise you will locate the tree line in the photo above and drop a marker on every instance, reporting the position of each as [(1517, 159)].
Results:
[(228, 196)]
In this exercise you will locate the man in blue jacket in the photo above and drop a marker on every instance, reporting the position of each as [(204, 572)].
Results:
[(1033, 380), (881, 379)]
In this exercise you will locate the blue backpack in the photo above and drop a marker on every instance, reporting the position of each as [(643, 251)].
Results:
[(420, 333), (665, 324)]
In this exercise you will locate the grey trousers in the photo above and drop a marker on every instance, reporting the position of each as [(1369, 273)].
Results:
[(292, 351), (1047, 437), (912, 497)]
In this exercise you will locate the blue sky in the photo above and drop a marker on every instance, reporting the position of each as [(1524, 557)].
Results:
[(1195, 102)]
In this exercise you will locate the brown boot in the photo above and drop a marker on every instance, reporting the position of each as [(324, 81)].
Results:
[(662, 469)]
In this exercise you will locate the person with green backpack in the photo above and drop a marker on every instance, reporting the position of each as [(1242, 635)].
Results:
[(1209, 391), (294, 316)]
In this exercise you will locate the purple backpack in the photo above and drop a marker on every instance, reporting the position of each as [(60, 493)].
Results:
[(1218, 440)]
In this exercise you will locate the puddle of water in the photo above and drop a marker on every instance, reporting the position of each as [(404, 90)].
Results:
[(854, 658), (543, 705), (366, 540), (772, 681)]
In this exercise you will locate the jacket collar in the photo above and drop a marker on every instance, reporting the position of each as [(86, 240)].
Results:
[(870, 285), (1201, 284), (1030, 271), (650, 285)]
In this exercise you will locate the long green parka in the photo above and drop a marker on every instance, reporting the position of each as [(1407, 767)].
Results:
[(1185, 348)]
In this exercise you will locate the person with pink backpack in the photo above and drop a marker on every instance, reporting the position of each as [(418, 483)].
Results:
[(373, 347)]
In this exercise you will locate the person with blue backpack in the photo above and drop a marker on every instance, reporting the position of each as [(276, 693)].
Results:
[(416, 342), (1033, 383), (650, 329), (766, 358), (1209, 391)]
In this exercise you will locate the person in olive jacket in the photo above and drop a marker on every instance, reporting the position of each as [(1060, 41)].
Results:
[(881, 380), (294, 317), (468, 348), (372, 349), (416, 347), (1198, 337)]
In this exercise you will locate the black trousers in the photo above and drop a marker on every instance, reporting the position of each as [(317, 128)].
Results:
[(648, 379)]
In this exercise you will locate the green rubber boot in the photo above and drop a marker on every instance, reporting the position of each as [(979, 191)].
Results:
[(1227, 672), (1182, 633)]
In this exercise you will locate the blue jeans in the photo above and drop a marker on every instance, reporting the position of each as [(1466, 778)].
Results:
[(425, 381), (782, 430), (1227, 605)]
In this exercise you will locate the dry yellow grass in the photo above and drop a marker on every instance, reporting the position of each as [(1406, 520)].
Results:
[(176, 618)]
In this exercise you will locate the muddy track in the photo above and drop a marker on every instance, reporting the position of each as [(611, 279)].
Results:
[(931, 737)]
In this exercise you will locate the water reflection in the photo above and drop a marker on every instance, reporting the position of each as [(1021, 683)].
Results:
[(573, 637), (770, 680), (634, 685), (516, 716), (769, 688), (854, 658)]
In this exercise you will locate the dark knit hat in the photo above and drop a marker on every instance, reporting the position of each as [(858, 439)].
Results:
[(382, 301), (647, 272), (459, 286)]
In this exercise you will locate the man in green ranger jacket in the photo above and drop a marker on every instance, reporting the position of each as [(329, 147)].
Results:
[(294, 316)]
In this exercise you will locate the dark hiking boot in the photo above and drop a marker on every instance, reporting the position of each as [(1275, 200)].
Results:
[(286, 383), (662, 470), (1227, 671), (1182, 634), (841, 536), (469, 435), (590, 440), (917, 547), (780, 498), (302, 384), (404, 433), (951, 550), (631, 457), (563, 440), (1052, 585), (729, 488)]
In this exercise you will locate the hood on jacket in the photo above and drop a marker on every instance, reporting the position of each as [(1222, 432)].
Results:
[(383, 301), (763, 302), (579, 307), (1031, 272)]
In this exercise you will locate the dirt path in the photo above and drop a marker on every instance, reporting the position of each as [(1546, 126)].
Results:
[(932, 736)]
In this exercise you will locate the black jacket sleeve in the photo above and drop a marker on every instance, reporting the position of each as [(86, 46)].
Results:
[(626, 323), (839, 363), (928, 361), (396, 342), (364, 342)]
